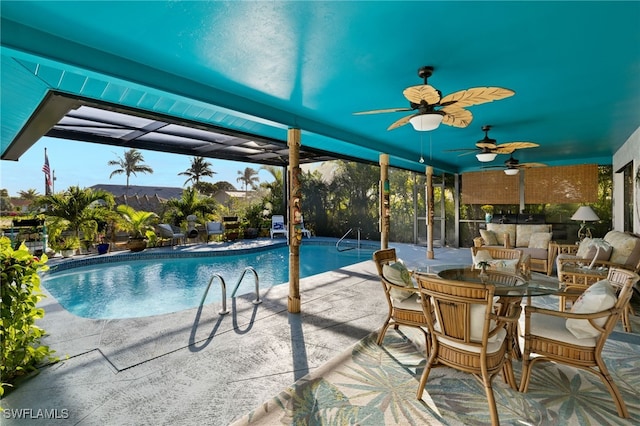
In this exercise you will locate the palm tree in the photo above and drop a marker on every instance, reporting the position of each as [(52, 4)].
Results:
[(276, 188), (83, 209), (190, 203), (29, 195), (199, 168), (248, 178), (130, 164)]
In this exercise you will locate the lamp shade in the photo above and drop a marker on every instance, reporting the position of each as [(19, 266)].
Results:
[(426, 122), (585, 214), (510, 172), (486, 156)]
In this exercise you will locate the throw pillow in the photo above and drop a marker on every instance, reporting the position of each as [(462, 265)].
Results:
[(583, 248), (540, 240), (398, 274), (598, 297), (489, 237), (482, 256), (504, 265)]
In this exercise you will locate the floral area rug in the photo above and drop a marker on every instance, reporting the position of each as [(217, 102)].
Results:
[(376, 385)]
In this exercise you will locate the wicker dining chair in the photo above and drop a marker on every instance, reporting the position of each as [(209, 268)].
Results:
[(406, 312), (547, 335), (466, 333)]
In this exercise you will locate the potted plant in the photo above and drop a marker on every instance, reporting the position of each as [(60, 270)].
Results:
[(103, 245), (68, 246), (488, 212), (137, 223)]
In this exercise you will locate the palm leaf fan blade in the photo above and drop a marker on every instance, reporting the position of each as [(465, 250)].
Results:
[(401, 122), (477, 95), (381, 111), (456, 116), (425, 92)]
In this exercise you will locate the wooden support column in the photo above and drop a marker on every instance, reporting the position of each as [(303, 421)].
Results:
[(385, 206), (430, 212), (295, 218)]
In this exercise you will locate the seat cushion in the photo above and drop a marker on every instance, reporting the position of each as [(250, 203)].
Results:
[(493, 345), (598, 297), (535, 253), (214, 227), (555, 328), (398, 274), (411, 303)]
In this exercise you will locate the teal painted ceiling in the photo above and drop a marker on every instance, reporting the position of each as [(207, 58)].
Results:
[(262, 67)]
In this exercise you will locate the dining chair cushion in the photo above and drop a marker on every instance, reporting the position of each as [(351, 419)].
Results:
[(398, 274), (489, 237), (598, 297), (412, 303), (504, 265), (540, 240), (552, 327), (493, 344)]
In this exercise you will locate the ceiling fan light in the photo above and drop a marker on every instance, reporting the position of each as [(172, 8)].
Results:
[(485, 157), (511, 172), (426, 122)]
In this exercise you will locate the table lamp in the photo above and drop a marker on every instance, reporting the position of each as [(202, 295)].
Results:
[(585, 214)]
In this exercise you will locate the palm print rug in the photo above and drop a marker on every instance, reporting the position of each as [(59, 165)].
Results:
[(376, 385)]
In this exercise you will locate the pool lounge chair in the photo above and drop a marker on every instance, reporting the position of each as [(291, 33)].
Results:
[(167, 231), (214, 228), (278, 226)]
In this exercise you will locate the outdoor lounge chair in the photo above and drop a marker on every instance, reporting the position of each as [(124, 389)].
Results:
[(278, 226), (304, 230), (167, 231), (214, 228)]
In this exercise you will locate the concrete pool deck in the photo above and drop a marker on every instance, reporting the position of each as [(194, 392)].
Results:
[(198, 367)]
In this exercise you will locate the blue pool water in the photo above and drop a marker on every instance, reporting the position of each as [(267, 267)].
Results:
[(142, 288)]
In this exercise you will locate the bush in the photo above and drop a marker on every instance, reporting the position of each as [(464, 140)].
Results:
[(20, 293)]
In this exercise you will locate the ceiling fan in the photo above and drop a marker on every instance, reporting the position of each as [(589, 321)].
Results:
[(489, 149), (512, 166), (431, 109)]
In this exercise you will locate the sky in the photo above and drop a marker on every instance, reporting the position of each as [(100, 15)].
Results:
[(85, 164)]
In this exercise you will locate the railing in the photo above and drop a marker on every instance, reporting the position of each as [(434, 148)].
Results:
[(223, 287), (257, 281), (345, 236), (224, 310)]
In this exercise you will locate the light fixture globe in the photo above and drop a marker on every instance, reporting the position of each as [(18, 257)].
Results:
[(426, 122), (485, 157), (511, 172)]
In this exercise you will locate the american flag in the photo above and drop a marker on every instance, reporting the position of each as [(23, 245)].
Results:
[(47, 174)]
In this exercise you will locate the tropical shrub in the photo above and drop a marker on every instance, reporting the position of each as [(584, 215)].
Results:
[(20, 293)]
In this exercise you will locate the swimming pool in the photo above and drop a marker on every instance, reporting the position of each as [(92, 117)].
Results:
[(154, 286)]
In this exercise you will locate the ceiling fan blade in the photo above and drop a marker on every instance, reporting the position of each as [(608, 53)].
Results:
[(424, 92), (456, 116), (503, 150), (530, 165), (380, 111), (477, 96), (460, 149), (517, 145), (404, 120)]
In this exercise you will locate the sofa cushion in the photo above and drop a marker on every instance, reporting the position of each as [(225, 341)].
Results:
[(540, 240), (488, 237), (535, 253), (598, 297), (504, 265), (398, 274), (482, 256), (625, 248), (503, 228), (525, 231)]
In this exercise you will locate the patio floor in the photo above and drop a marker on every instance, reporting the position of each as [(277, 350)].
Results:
[(196, 367)]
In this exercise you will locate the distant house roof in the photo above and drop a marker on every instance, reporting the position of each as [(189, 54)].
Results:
[(146, 198), (162, 192)]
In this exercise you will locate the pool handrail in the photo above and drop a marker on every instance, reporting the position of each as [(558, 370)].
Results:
[(257, 282), (224, 309), (345, 236)]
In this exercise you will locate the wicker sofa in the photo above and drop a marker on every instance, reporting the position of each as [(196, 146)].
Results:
[(533, 239)]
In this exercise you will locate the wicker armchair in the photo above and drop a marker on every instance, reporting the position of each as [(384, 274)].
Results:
[(546, 334), (466, 333), (407, 312), (523, 266)]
